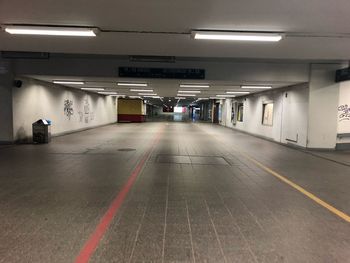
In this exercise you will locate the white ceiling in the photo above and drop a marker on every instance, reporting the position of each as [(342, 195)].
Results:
[(163, 88), (315, 29)]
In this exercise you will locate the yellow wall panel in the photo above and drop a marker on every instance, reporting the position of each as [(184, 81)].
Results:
[(130, 106)]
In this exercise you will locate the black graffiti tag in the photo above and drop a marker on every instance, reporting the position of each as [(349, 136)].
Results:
[(68, 108), (344, 114)]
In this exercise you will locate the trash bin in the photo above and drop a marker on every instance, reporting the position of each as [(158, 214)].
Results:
[(42, 131)]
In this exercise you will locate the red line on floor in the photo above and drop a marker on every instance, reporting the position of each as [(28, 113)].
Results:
[(92, 243)]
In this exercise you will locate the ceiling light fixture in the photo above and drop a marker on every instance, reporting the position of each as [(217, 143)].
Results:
[(189, 95), (256, 87), (108, 93), (237, 36), (153, 97), (93, 89), (52, 31), (132, 84), (69, 82), (147, 94), (141, 90), (237, 92), (194, 86), (226, 96), (180, 98), (189, 91)]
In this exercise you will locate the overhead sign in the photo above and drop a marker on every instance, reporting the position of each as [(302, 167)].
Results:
[(342, 75), (162, 73)]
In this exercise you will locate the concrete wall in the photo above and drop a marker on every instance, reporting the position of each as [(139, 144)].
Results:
[(68, 109), (295, 116), (290, 115), (304, 116), (323, 106), (6, 82), (343, 119)]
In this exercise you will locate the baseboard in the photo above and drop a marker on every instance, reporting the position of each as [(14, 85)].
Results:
[(321, 149), (7, 142), (288, 144), (342, 146), (29, 140), (82, 129)]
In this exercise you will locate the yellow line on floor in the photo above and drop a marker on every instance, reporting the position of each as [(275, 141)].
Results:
[(300, 189), (313, 197)]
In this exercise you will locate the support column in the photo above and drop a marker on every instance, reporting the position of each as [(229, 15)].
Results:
[(323, 106), (6, 113)]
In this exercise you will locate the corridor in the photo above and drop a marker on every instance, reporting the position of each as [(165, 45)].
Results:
[(171, 192)]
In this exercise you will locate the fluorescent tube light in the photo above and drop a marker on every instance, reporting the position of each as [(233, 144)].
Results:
[(226, 96), (237, 92), (93, 89), (194, 86), (148, 94), (52, 31), (256, 87), (237, 36), (180, 98), (189, 91), (108, 92), (132, 84), (134, 97), (69, 82), (141, 90), (188, 95)]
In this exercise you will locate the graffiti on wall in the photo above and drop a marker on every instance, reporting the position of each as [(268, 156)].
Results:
[(68, 108), (344, 113), (84, 115), (86, 111), (81, 116), (233, 112)]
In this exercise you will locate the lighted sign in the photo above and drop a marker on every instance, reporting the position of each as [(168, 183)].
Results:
[(178, 109)]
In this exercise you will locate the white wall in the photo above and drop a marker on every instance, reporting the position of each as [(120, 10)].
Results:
[(252, 115), (36, 100), (344, 112), (295, 116), (307, 117), (290, 116), (323, 106)]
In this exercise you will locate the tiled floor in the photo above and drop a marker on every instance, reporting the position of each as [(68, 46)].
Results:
[(222, 208), (341, 157)]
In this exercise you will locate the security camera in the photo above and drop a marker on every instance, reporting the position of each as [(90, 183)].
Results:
[(17, 83)]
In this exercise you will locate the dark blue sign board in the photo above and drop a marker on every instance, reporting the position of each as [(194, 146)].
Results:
[(342, 75), (161, 73)]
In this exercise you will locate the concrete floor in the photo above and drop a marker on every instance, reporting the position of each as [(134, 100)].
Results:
[(183, 206), (341, 157)]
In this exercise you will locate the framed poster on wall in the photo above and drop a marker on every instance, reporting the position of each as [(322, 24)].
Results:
[(267, 118), (240, 112), (234, 113)]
